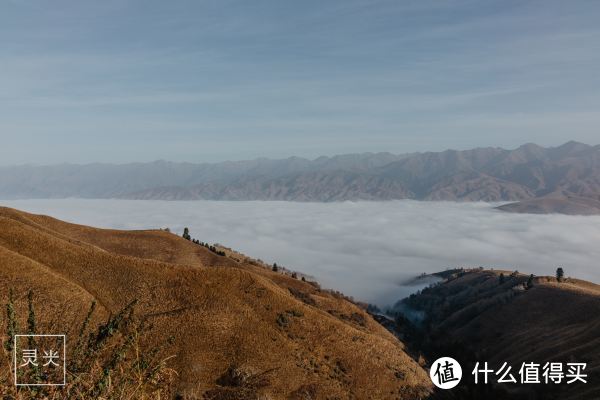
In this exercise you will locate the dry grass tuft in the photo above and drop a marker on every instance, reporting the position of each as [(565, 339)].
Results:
[(106, 362)]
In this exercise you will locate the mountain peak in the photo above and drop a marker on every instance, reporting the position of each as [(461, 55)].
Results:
[(572, 144), (570, 148), (531, 146)]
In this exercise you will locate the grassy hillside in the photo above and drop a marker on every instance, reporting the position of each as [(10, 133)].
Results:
[(476, 315), (227, 329)]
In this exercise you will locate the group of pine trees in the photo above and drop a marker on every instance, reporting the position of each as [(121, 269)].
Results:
[(560, 275), (526, 285), (294, 275), (186, 235)]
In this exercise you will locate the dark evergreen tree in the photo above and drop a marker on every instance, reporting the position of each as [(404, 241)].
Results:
[(186, 234), (560, 274), (530, 282)]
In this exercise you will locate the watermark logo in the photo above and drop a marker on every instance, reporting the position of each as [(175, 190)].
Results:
[(39, 360), (531, 372), (445, 373)]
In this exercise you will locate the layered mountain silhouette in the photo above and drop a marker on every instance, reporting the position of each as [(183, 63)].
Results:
[(483, 174)]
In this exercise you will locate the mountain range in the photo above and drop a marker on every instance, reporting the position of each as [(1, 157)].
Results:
[(527, 173)]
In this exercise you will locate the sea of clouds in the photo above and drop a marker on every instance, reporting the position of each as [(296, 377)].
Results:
[(370, 250)]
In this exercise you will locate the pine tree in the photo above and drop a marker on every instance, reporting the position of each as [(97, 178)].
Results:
[(560, 274), (530, 282)]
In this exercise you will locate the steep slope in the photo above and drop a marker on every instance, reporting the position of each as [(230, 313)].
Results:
[(220, 313), (475, 315)]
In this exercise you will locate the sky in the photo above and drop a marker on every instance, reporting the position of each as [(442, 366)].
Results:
[(356, 247), (212, 80)]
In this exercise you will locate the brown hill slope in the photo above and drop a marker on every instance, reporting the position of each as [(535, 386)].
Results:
[(220, 313), (476, 316)]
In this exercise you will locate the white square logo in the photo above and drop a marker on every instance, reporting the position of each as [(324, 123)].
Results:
[(40, 360)]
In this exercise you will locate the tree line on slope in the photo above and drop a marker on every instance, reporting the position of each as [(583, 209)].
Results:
[(186, 235)]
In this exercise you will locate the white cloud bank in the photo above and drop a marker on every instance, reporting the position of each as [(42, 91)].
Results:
[(365, 249)]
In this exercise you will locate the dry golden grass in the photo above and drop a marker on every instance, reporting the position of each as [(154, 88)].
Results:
[(107, 361), (238, 330)]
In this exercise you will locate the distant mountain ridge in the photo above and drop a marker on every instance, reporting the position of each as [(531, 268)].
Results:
[(482, 174), (100, 180)]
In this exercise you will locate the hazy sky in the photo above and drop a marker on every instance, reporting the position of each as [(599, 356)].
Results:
[(139, 80)]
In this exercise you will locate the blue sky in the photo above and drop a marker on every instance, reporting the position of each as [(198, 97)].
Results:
[(129, 80)]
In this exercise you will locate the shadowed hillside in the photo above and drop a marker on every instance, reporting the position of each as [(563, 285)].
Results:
[(503, 316), (235, 330)]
